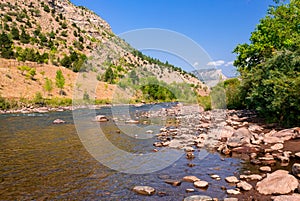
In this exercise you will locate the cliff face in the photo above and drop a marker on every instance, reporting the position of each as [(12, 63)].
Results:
[(56, 33)]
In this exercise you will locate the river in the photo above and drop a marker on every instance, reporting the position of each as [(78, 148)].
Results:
[(44, 161)]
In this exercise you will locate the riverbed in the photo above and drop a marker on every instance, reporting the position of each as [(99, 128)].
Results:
[(41, 160)]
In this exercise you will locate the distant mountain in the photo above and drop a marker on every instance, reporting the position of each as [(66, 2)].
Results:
[(210, 77)]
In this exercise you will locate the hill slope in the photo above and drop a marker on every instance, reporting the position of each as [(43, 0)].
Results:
[(49, 35)]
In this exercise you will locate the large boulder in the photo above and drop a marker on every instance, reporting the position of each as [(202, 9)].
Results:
[(293, 197), (279, 182), (239, 138)]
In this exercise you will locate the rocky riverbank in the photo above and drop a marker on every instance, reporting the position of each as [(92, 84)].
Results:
[(274, 152)]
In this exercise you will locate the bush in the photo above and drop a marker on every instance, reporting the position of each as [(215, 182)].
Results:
[(205, 102)]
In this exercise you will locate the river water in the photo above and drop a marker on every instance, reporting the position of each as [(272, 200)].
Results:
[(43, 161)]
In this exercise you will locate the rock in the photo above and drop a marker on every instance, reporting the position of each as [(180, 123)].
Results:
[(189, 149), (251, 177), (189, 190), (245, 149), (200, 184), (173, 182), (144, 190), (265, 169), (277, 146), (232, 179), (231, 199), (157, 144), (190, 179), (190, 155), (297, 154), (296, 169), (293, 197), (255, 128), (58, 121), (233, 192), (101, 118), (278, 182), (239, 138), (131, 121), (198, 198), (149, 131), (216, 177), (244, 186)]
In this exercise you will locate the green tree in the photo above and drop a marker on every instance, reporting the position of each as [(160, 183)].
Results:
[(6, 46), (60, 81), (270, 65), (24, 37), (109, 75), (15, 33), (48, 86)]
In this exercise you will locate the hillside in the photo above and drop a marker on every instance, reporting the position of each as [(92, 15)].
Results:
[(49, 35)]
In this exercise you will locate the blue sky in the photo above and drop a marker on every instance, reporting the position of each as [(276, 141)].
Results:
[(216, 25)]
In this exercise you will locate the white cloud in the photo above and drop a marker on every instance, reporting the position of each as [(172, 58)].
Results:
[(216, 63), (230, 63), (196, 64)]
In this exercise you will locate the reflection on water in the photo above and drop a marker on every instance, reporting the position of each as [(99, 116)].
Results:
[(40, 160)]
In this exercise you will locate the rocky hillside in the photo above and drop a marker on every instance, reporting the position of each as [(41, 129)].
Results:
[(53, 34)]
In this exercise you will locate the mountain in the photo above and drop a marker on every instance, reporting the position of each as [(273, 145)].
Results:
[(210, 77), (48, 35)]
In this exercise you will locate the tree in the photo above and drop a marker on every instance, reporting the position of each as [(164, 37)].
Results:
[(48, 86), (15, 33), (109, 75), (60, 81), (270, 65), (24, 37), (6, 46)]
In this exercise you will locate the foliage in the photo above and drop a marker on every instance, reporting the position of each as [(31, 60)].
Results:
[(205, 102), (109, 75), (60, 80), (86, 96), (31, 72), (6, 46), (74, 61), (38, 99), (48, 85), (269, 65)]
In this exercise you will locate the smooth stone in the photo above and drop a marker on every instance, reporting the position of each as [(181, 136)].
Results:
[(296, 169), (233, 192), (239, 138), (297, 154), (190, 179), (251, 177), (101, 118), (200, 184), (293, 197), (190, 155), (173, 182), (58, 121), (189, 190), (277, 146), (279, 182), (198, 198), (244, 186), (231, 199), (132, 121), (265, 169), (144, 190), (149, 131), (216, 177), (189, 149), (232, 179)]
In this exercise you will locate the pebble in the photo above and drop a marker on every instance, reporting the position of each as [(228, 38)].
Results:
[(144, 190), (216, 177), (232, 179), (190, 179), (244, 186), (201, 184), (233, 192), (189, 190), (265, 169), (251, 177), (173, 182)]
